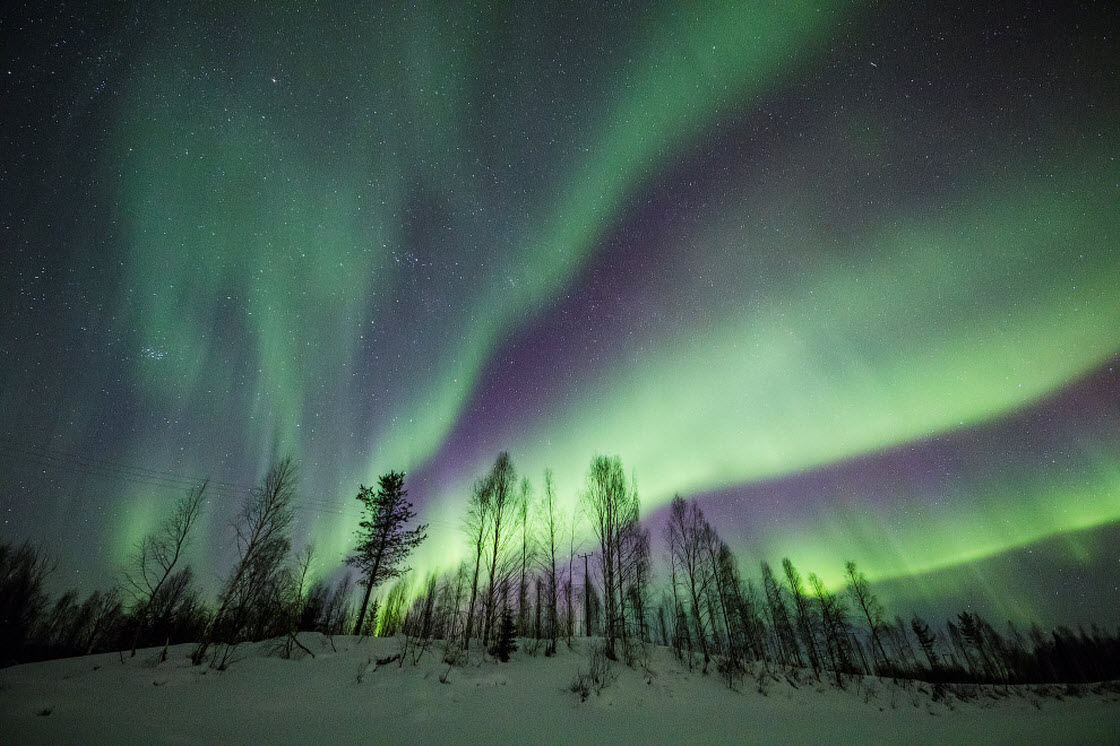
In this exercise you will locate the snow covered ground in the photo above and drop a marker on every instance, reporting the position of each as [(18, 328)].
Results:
[(343, 697)]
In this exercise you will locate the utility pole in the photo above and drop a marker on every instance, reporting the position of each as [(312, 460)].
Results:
[(586, 597)]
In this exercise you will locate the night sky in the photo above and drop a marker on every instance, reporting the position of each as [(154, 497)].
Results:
[(847, 273)]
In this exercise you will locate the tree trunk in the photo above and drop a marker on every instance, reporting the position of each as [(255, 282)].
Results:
[(474, 597), (369, 590)]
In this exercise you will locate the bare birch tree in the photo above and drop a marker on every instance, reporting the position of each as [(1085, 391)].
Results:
[(550, 519), (608, 502), (157, 555), (500, 486), (261, 528), (476, 526)]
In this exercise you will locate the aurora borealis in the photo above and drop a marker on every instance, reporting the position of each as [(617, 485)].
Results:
[(848, 274)]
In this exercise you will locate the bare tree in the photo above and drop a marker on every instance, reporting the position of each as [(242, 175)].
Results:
[(684, 535), (634, 573), (337, 608), (97, 618), (608, 503), (976, 634), (550, 518), (383, 542), (927, 640), (788, 649), (713, 547), (680, 634), (303, 570), (298, 591), (528, 552), (500, 487), (802, 613), (450, 603), (742, 634), (834, 622), (569, 586), (868, 603), (23, 570), (156, 556), (476, 526), (262, 542), (392, 611), (176, 612), (751, 621)]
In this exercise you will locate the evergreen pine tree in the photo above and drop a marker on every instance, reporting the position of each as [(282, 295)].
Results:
[(506, 643), (384, 542)]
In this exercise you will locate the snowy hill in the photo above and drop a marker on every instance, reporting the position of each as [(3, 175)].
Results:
[(342, 695)]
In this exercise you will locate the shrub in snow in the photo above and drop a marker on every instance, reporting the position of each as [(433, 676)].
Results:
[(599, 675)]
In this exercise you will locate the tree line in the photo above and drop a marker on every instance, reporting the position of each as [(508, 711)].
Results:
[(268, 594), (526, 574)]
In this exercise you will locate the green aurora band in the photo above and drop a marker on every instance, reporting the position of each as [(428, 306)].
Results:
[(329, 224), (240, 214), (952, 322)]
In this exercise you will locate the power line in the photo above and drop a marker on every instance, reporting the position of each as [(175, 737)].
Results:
[(175, 484), (89, 466), (130, 470), (43, 461)]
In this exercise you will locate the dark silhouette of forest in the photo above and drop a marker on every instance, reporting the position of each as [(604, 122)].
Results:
[(529, 581)]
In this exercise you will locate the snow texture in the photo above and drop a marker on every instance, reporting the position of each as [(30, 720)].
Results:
[(344, 696)]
